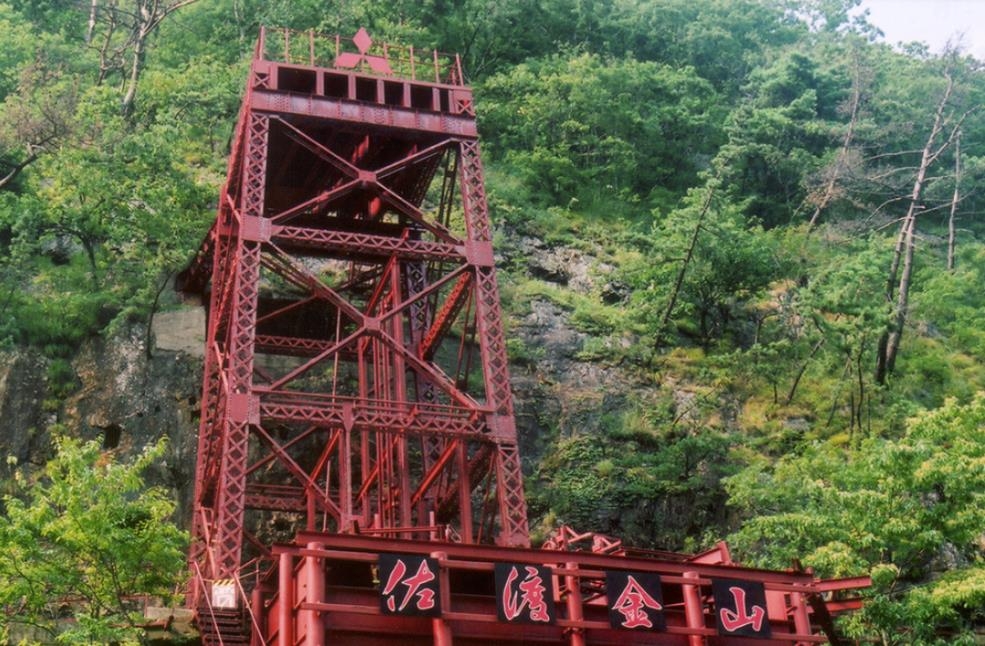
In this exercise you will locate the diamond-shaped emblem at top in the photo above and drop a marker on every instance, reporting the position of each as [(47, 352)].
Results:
[(362, 41)]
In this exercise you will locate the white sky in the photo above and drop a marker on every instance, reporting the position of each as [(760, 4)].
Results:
[(931, 21)]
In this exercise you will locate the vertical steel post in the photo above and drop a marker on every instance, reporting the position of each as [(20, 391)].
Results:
[(285, 600), (572, 584), (464, 495), (693, 609), (314, 570), (514, 530), (801, 618), (257, 618), (439, 627)]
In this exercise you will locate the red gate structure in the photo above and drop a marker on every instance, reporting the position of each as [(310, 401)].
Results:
[(356, 409)]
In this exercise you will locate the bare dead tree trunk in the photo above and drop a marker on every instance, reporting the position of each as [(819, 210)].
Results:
[(125, 55), (954, 202), (16, 169), (136, 66), (106, 55), (800, 371), (91, 27), (679, 281), (903, 252), (842, 159)]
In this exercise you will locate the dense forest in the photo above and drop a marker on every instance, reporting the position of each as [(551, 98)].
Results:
[(778, 218)]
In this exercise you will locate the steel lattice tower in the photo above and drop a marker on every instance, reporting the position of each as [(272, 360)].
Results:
[(355, 376), (356, 407)]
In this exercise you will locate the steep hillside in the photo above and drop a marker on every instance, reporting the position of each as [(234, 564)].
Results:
[(739, 244)]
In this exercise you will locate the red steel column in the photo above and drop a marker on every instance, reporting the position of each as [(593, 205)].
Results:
[(241, 406), (801, 619), (693, 609), (258, 619), (314, 629), (285, 600), (201, 552), (574, 602), (439, 627), (514, 530)]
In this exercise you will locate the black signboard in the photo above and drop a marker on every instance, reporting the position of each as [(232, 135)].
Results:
[(635, 600), (740, 607), (524, 593), (409, 585)]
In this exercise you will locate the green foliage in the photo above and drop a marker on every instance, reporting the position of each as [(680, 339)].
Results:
[(776, 139), (636, 481), (730, 263), (18, 47), (951, 304), (82, 541), (722, 41), (98, 208), (583, 128), (609, 126), (903, 507)]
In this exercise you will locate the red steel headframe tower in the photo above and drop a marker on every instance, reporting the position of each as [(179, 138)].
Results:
[(355, 372), (357, 441)]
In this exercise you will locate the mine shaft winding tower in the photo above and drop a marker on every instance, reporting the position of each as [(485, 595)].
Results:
[(355, 373), (356, 408)]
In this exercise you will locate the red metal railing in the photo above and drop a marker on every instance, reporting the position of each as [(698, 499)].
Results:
[(307, 601), (317, 50)]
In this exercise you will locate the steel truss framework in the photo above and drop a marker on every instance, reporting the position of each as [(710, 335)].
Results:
[(355, 374), (356, 399)]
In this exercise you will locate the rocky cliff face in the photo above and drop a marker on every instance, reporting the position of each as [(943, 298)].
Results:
[(23, 409), (124, 397), (557, 390)]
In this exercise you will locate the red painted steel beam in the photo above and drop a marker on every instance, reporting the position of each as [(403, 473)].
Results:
[(435, 471), (837, 585), (445, 317), (303, 477), (585, 560), (364, 247), (374, 117), (369, 415)]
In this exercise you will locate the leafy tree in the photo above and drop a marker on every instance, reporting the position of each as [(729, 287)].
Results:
[(103, 222), (37, 95), (721, 41), (19, 47), (597, 130), (120, 34), (899, 508), (776, 139), (843, 304), (82, 541), (953, 302), (700, 267)]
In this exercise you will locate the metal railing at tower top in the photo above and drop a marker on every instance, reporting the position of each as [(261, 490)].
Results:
[(361, 52)]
